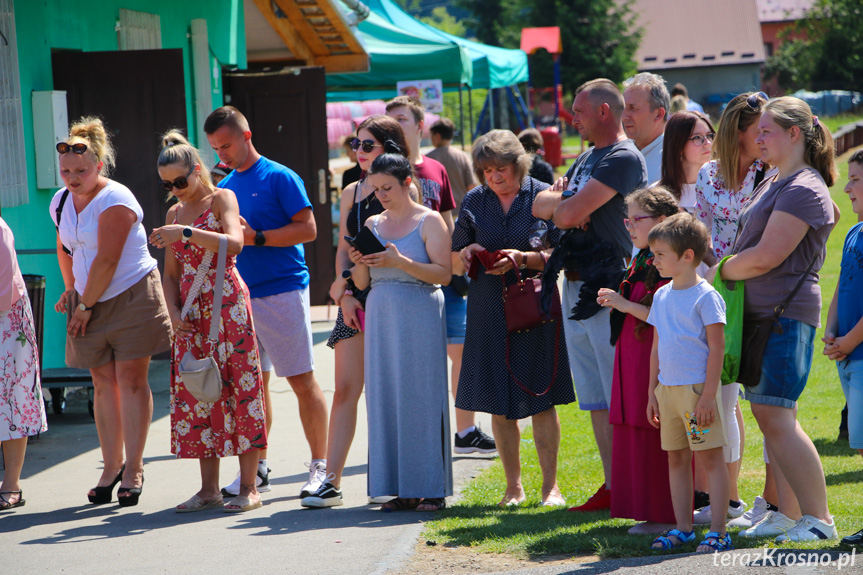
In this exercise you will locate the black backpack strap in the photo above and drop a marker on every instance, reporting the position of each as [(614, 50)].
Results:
[(59, 213), (759, 177)]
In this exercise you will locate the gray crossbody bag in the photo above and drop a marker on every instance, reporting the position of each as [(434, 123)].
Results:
[(202, 376)]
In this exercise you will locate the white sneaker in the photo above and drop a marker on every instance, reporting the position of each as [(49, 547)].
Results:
[(262, 483), (317, 477), (752, 516), (704, 517), (809, 529), (381, 499), (774, 523)]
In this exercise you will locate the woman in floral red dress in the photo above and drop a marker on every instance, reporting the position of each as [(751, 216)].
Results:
[(234, 425)]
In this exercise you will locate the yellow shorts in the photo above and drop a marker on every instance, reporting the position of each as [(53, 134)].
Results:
[(677, 426)]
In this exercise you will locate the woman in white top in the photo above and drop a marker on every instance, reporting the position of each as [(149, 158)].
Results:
[(117, 316)]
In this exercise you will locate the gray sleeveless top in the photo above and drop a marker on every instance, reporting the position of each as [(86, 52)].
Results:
[(411, 246)]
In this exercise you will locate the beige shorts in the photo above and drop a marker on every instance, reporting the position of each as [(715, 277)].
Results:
[(132, 325), (678, 429)]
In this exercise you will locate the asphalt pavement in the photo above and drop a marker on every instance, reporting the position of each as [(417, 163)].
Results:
[(58, 530)]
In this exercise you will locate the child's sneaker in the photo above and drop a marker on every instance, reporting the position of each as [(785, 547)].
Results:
[(774, 523), (704, 517), (809, 529), (752, 516)]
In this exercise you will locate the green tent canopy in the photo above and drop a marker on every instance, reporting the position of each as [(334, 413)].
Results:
[(402, 48), (397, 54), (493, 67)]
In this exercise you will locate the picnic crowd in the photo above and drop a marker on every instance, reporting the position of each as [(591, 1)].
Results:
[(657, 228)]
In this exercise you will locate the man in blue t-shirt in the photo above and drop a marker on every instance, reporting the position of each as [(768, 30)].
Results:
[(277, 219), (592, 196)]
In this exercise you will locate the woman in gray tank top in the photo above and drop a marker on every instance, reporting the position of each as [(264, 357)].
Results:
[(405, 345)]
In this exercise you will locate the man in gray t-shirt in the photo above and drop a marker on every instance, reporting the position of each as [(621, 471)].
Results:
[(592, 196)]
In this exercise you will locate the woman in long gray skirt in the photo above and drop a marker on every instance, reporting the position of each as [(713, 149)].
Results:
[(405, 354)]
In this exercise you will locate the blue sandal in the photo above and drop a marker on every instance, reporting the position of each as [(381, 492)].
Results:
[(682, 539), (717, 542)]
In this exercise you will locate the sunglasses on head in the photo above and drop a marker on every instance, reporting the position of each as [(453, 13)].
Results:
[(65, 148), (367, 145), (180, 183), (753, 100)]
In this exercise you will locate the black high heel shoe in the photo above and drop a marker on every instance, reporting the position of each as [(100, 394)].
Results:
[(133, 494), (103, 494)]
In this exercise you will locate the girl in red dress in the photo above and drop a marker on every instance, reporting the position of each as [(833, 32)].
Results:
[(639, 468)]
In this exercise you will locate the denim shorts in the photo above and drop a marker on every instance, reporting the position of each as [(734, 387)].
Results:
[(851, 376), (786, 365), (456, 315)]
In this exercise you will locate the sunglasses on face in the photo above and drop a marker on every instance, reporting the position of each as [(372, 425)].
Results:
[(180, 183), (64, 148), (366, 145), (753, 100), (630, 223), (700, 139)]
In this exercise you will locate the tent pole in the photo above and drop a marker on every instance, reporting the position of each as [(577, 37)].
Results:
[(470, 107), (491, 109), (460, 118)]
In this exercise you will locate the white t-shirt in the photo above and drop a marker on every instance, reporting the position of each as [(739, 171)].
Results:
[(652, 153), (681, 318), (80, 234)]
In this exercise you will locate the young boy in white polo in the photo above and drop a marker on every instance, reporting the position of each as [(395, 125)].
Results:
[(685, 369)]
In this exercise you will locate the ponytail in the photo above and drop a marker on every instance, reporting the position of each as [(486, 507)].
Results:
[(176, 149)]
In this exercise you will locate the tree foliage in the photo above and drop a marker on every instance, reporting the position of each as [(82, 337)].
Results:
[(446, 22), (599, 37), (827, 52)]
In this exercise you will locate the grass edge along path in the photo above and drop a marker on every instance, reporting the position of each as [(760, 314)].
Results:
[(531, 531)]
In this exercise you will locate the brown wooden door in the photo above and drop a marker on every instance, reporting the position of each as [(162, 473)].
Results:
[(139, 95), (288, 118)]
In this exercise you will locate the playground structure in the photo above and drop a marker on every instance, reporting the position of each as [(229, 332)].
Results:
[(548, 39)]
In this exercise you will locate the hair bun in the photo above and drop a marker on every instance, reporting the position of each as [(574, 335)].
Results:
[(390, 147)]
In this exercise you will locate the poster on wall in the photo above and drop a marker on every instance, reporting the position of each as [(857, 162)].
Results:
[(429, 92)]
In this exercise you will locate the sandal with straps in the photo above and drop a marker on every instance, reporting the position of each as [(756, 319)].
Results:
[(666, 542), (432, 504), (717, 542), (5, 505), (400, 504)]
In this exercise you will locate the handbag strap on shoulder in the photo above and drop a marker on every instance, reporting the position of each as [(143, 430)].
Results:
[(218, 289), (780, 309)]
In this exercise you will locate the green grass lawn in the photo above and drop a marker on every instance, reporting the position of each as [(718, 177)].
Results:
[(530, 531)]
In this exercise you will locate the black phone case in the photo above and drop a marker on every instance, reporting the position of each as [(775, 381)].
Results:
[(366, 242)]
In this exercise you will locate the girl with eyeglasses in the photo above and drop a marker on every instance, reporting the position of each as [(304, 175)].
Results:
[(640, 487), (235, 424), (376, 135), (117, 318), (686, 147)]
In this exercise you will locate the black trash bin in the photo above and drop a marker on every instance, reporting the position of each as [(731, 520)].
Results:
[(36, 292)]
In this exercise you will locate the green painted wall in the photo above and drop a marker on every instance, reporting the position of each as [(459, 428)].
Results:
[(44, 25)]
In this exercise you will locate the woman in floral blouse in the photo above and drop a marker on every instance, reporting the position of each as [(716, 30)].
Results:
[(725, 186)]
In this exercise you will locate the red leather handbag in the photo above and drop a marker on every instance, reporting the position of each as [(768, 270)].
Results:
[(523, 312), (521, 302)]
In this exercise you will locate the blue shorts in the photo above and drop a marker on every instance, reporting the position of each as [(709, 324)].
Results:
[(456, 315), (786, 365), (851, 376)]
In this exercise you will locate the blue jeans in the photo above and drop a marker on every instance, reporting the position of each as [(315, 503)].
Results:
[(851, 376), (786, 364)]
